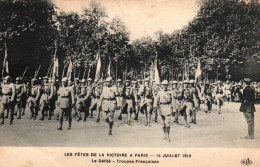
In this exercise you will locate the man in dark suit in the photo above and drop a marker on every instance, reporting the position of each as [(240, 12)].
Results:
[(248, 108)]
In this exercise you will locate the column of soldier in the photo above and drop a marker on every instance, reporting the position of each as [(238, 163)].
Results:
[(67, 99)]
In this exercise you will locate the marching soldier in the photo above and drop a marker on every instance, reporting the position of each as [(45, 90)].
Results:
[(54, 98), (155, 88), (8, 99), (80, 105), (218, 91), (176, 101), (119, 98), (108, 102), (33, 100), (207, 96), (89, 96), (227, 90), (248, 108), (46, 96), (196, 101), (76, 87), (187, 103), (19, 93), (146, 104), (164, 103), (128, 94), (65, 102), (96, 102), (136, 99)]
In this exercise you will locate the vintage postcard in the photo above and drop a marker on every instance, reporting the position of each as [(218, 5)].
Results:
[(130, 83)]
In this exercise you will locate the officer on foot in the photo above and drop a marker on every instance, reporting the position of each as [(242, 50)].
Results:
[(108, 102), (146, 103), (47, 94), (8, 99), (65, 102), (33, 100), (19, 92), (164, 103)]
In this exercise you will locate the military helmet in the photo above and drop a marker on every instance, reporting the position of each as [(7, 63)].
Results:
[(119, 80), (45, 77), (165, 82), (76, 79), (7, 77), (174, 82), (18, 79), (127, 80), (83, 80), (186, 81), (89, 79), (139, 80), (109, 79), (247, 80), (65, 79)]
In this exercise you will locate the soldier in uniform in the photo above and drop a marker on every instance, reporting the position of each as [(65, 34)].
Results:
[(19, 92), (248, 108), (52, 101), (206, 93), (176, 101), (65, 102), (108, 102), (89, 96), (129, 96), (187, 103), (146, 104), (24, 96), (46, 96), (8, 99), (155, 88), (119, 98), (136, 99), (196, 101), (218, 91), (33, 100), (96, 102), (76, 87), (227, 90), (164, 103), (80, 105)]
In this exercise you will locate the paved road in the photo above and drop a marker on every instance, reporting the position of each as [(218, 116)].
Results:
[(212, 130)]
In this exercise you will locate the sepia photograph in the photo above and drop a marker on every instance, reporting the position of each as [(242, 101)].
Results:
[(130, 82)]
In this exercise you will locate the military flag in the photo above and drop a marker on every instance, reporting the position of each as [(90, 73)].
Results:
[(70, 68), (109, 68), (198, 73), (156, 71), (5, 64), (55, 72), (98, 69)]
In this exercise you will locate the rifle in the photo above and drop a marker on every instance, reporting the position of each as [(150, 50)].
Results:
[(35, 75), (24, 72)]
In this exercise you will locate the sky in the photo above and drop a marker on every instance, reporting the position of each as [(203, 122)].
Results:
[(142, 17)]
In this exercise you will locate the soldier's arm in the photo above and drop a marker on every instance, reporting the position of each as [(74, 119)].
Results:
[(52, 91), (13, 92), (38, 93), (72, 97)]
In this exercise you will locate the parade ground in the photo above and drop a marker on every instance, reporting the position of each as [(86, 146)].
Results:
[(212, 130)]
